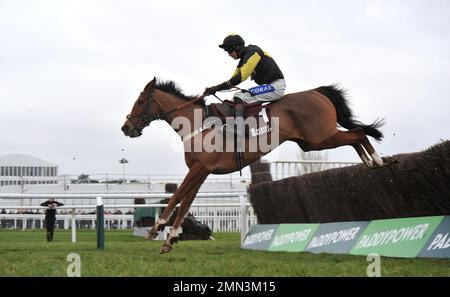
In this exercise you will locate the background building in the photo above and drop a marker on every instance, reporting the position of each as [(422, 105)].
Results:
[(18, 169)]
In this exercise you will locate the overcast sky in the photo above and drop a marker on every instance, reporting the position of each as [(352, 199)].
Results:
[(71, 70)]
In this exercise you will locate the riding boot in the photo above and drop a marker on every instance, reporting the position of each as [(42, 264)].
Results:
[(48, 236)]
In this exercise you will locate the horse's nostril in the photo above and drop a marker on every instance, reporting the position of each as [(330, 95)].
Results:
[(125, 129)]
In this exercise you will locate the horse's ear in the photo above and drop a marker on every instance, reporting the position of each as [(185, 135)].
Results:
[(151, 84)]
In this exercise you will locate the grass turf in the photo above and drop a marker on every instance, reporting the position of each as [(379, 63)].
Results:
[(26, 253)]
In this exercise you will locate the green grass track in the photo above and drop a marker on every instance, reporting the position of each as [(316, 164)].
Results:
[(26, 253)]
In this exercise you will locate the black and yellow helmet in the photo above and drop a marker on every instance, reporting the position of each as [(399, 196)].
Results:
[(232, 42)]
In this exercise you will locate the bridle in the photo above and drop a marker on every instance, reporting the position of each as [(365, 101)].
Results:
[(147, 120), (143, 114)]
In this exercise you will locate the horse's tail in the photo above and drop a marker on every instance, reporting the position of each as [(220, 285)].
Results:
[(344, 114)]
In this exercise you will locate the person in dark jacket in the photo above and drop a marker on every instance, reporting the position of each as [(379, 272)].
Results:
[(254, 63), (50, 216)]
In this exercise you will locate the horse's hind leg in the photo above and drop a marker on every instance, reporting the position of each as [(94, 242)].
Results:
[(364, 141), (356, 138), (362, 154)]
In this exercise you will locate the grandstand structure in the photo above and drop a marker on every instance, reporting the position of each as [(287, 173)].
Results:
[(18, 169)]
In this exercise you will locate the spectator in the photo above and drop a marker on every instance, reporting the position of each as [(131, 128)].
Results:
[(3, 211), (50, 216)]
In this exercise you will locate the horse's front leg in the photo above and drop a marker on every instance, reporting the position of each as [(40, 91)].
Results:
[(195, 180), (158, 226), (174, 200), (171, 239)]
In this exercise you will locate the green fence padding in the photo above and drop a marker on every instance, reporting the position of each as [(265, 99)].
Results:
[(292, 237), (438, 246), (396, 237), (404, 237)]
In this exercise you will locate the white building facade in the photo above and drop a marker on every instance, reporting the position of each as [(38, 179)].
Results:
[(18, 169)]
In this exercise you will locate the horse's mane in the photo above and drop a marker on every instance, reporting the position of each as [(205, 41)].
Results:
[(169, 86)]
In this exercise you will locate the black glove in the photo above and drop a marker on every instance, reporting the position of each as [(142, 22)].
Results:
[(213, 90), (210, 91)]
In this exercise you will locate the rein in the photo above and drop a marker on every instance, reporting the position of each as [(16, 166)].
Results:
[(167, 113), (231, 90), (181, 106)]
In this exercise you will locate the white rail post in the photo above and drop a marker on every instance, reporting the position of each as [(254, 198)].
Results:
[(244, 210), (157, 210), (74, 226)]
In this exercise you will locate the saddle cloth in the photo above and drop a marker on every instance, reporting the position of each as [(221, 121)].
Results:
[(258, 110)]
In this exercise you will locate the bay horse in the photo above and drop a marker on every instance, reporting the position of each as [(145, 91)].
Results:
[(308, 118)]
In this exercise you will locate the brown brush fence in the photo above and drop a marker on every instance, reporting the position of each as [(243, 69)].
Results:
[(409, 185)]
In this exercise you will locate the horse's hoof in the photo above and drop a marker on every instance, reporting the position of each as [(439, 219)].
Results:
[(390, 161), (378, 161), (369, 163), (165, 249), (161, 227), (152, 234), (173, 240)]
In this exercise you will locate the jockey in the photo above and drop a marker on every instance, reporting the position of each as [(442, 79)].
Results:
[(254, 63)]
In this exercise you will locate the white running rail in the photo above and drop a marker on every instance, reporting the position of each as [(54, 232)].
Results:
[(239, 214)]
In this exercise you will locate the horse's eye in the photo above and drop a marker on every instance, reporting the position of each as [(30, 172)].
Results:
[(140, 102)]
